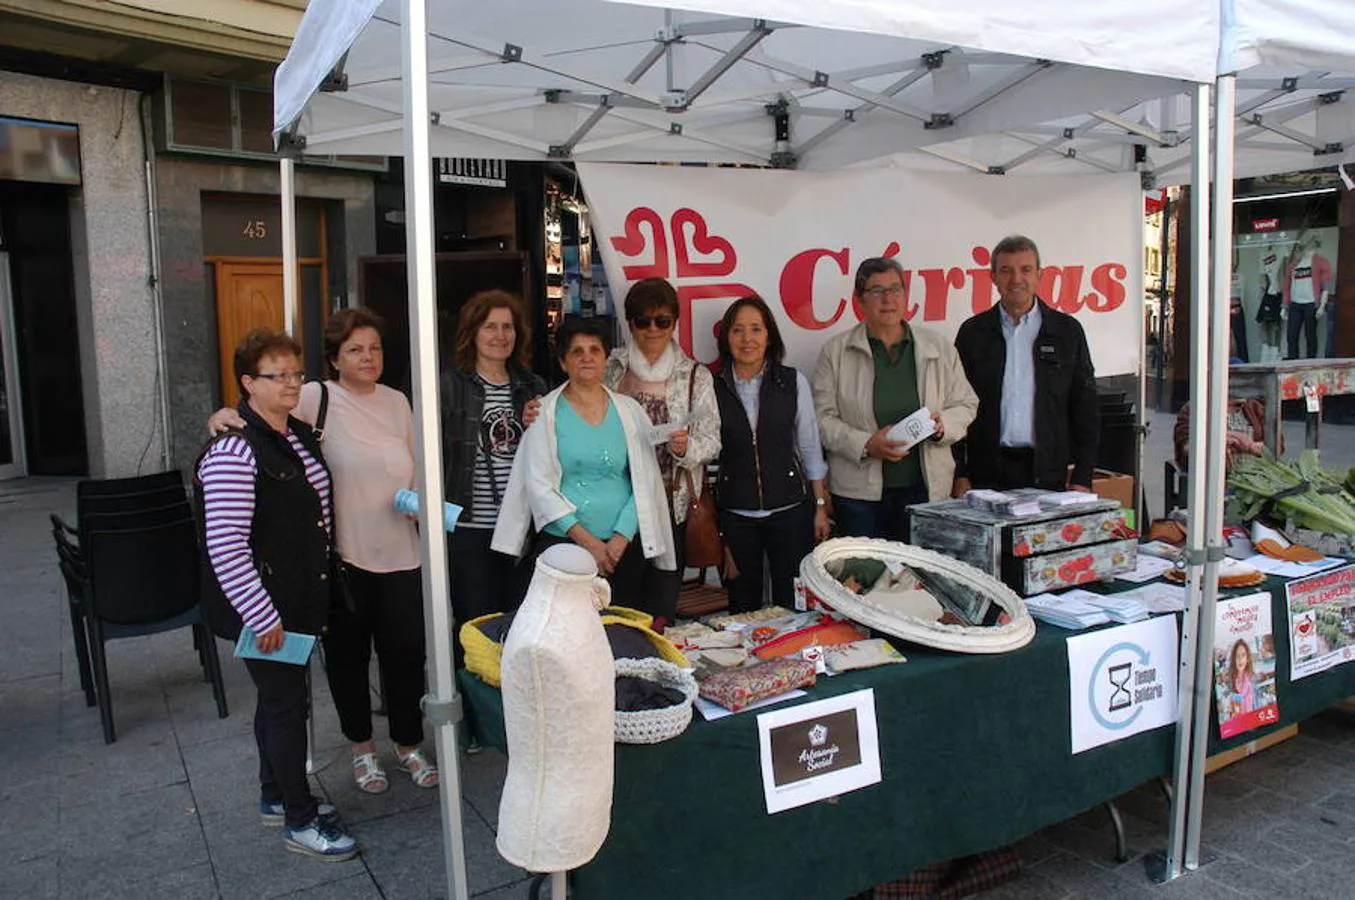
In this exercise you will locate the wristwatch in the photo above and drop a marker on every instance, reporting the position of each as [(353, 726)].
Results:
[(820, 501)]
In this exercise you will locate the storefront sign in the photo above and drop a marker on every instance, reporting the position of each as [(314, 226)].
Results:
[(796, 238), (1265, 224), (480, 172), (1122, 681), (819, 750), (1321, 621), (1244, 664)]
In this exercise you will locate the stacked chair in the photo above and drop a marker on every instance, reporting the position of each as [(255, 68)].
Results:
[(132, 566)]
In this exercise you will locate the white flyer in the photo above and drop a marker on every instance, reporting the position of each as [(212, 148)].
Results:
[(913, 429), (1148, 568), (1122, 681), (659, 434), (818, 750)]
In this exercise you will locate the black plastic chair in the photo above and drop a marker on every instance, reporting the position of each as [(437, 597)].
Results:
[(72, 566), (102, 487), (143, 577)]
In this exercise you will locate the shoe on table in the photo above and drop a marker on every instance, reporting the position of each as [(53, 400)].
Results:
[(273, 814), (320, 838)]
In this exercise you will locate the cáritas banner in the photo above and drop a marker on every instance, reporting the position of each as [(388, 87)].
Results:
[(796, 238)]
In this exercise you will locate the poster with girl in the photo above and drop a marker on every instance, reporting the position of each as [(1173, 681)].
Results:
[(1244, 664)]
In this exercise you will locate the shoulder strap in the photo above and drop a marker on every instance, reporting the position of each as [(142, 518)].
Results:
[(319, 427), (691, 388)]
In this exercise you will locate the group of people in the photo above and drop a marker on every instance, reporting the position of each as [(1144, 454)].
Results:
[(613, 460)]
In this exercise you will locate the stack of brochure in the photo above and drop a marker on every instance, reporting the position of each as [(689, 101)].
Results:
[(1120, 607), (1066, 612), (1060, 499), (1000, 504)]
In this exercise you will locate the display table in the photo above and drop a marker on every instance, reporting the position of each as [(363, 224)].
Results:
[(974, 753), (1272, 383)]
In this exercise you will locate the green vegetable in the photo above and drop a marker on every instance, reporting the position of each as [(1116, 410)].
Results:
[(1327, 504)]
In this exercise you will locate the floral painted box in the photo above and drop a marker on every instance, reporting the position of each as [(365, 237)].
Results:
[(1069, 568), (1017, 549)]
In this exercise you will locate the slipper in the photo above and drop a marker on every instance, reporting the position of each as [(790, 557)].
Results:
[(422, 772), (369, 775)]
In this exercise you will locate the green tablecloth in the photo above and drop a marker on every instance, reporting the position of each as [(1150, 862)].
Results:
[(974, 755)]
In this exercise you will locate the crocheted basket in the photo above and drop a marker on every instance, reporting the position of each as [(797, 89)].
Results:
[(1010, 635), (649, 726)]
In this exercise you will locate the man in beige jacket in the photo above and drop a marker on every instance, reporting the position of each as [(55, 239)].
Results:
[(866, 380)]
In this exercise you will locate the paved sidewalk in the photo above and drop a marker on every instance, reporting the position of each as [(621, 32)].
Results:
[(170, 809)]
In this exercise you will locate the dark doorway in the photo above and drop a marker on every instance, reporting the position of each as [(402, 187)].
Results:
[(35, 224)]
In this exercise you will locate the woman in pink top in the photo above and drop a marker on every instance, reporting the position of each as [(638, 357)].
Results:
[(368, 443)]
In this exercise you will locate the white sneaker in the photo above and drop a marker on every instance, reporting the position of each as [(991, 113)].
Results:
[(321, 838)]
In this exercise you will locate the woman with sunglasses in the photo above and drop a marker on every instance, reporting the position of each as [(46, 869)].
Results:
[(673, 389)]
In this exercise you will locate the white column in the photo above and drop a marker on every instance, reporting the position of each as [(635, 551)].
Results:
[(442, 704), (290, 281)]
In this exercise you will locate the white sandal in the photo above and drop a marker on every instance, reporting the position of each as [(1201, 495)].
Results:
[(422, 772), (369, 775)]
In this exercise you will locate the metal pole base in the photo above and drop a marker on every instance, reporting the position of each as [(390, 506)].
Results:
[(1155, 864)]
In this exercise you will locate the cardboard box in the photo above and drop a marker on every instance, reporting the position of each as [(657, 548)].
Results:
[(1114, 486)]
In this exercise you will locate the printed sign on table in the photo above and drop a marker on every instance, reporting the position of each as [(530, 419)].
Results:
[(1122, 681), (1321, 621), (1244, 664), (819, 750)]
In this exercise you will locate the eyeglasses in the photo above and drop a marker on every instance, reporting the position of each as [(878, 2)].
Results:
[(875, 293), (660, 322), (282, 377)]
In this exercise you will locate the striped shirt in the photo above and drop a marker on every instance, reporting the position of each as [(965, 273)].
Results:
[(496, 445), (228, 471)]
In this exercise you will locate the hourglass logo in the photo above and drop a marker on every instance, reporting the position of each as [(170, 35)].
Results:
[(1120, 697)]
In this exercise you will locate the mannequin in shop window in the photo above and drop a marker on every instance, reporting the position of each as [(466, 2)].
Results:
[(1268, 312), (1307, 284), (1237, 318)]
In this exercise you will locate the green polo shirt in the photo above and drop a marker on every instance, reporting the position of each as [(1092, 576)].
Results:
[(896, 397)]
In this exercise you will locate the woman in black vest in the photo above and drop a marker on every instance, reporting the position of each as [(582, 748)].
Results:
[(267, 521), (771, 494)]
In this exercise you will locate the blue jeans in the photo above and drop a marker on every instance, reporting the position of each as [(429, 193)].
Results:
[(884, 518)]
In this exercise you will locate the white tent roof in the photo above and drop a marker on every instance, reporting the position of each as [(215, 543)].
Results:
[(978, 84), (602, 81)]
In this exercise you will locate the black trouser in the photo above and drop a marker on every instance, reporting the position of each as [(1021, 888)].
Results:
[(783, 537), (627, 581), (1302, 315), (388, 612), (280, 732), (1016, 469), (884, 518), (483, 581), (659, 588)]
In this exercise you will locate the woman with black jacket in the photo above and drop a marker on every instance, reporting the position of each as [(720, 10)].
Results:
[(488, 400)]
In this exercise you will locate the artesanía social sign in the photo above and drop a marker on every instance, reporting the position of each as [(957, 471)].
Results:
[(1122, 681), (818, 750), (796, 238)]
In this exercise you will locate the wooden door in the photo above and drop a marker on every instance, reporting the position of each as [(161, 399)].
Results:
[(248, 296)]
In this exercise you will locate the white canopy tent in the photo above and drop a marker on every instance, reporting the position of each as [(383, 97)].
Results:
[(825, 85)]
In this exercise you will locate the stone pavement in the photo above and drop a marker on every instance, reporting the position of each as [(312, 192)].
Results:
[(170, 809)]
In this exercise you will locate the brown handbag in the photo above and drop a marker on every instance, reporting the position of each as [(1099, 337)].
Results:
[(702, 530)]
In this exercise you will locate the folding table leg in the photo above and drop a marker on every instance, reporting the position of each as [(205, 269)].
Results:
[(1121, 841)]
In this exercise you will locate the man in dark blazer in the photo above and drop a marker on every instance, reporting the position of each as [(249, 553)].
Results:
[(1032, 370)]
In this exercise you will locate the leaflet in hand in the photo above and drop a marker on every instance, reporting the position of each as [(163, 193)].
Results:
[(914, 429), (660, 434), (295, 650)]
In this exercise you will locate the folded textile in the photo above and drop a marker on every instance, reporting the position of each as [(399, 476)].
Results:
[(738, 688)]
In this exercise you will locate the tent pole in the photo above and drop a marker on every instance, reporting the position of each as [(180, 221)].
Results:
[(1199, 362), (287, 171), (442, 706), (1225, 102)]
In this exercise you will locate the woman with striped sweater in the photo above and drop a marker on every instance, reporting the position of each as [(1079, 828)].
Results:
[(266, 504)]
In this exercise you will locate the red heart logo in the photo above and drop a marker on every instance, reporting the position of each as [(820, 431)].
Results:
[(633, 244), (704, 244), (1305, 626)]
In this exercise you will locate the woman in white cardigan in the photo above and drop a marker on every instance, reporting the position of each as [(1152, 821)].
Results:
[(585, 473)]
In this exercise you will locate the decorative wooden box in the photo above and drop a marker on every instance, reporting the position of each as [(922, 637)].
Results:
[(1051, 550)]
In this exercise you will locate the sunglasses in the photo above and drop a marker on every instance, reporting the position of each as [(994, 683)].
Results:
[(657, 321)]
